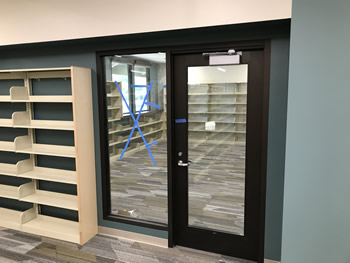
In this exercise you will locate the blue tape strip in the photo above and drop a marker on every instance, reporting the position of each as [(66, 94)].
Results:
[(140, 86), (153, 105), (153, 143), (164, 86), (180, 121)]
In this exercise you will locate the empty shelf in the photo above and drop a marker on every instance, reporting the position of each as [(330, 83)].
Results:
[(5, 122), (225, 122), (7, 146), (10, 218), (48, 125), (217, 93), (50, 150), (140, 125), (217, 142), (8, 169), (227, 103), (54, 228), (40, 124), (53, 175), (113, 108), (5, 99), (7, 191), (218, 113), (136, 137), (115, 119), (53, 99), (218, 131), (53, 199)]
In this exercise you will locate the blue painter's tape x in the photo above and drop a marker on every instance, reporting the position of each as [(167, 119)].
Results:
[(153, 105), (136, 124)]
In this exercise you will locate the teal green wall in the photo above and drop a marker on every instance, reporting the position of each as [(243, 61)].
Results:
[(276, 147), (82, 53), (316, 217)]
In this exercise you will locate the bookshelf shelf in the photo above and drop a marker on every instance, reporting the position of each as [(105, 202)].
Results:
[(220, 106)]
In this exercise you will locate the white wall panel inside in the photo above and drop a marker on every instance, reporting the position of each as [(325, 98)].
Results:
[(24, 21)]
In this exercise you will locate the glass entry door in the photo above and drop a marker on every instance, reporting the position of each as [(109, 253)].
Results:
[(219, 153), (217, 108)]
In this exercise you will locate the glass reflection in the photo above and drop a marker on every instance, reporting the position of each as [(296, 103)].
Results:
[(217, 106), (136, 107)]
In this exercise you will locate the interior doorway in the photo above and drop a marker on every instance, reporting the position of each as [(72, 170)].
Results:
[(184, 143), (219, 155)]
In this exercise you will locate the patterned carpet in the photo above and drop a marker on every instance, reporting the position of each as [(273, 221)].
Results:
[(20, 247), (216, 186)]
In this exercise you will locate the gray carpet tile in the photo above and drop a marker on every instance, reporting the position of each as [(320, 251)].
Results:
[(26, 248), (216, 185)]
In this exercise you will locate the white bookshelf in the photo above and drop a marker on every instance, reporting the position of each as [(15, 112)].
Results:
[(32, 221), (114, 102), (224, 104)]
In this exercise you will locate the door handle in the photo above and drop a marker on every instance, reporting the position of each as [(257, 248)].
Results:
[(181, 163)]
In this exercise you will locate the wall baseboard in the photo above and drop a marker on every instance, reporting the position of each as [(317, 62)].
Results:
[(155, 241), (271, 261)]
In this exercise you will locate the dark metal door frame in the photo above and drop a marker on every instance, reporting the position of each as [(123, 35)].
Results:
[(261, 49)]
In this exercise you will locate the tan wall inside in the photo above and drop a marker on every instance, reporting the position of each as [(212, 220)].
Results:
[(23, 21)]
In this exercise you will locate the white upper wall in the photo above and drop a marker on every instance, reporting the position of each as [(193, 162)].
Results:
[(24, 21)]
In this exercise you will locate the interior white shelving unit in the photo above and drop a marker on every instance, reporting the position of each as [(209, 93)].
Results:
[(217, 112), (114, 101), (31, 220)]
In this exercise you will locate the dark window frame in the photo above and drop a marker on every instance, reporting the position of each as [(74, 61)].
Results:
[(105, 165)]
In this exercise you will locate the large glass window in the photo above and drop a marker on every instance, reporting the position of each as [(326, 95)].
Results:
[(136, 110)]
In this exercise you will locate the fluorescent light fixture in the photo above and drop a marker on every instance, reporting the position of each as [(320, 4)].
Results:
[(221, 69), (140, 72)]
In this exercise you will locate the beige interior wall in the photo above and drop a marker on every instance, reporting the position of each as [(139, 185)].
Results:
[(23, 21)]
